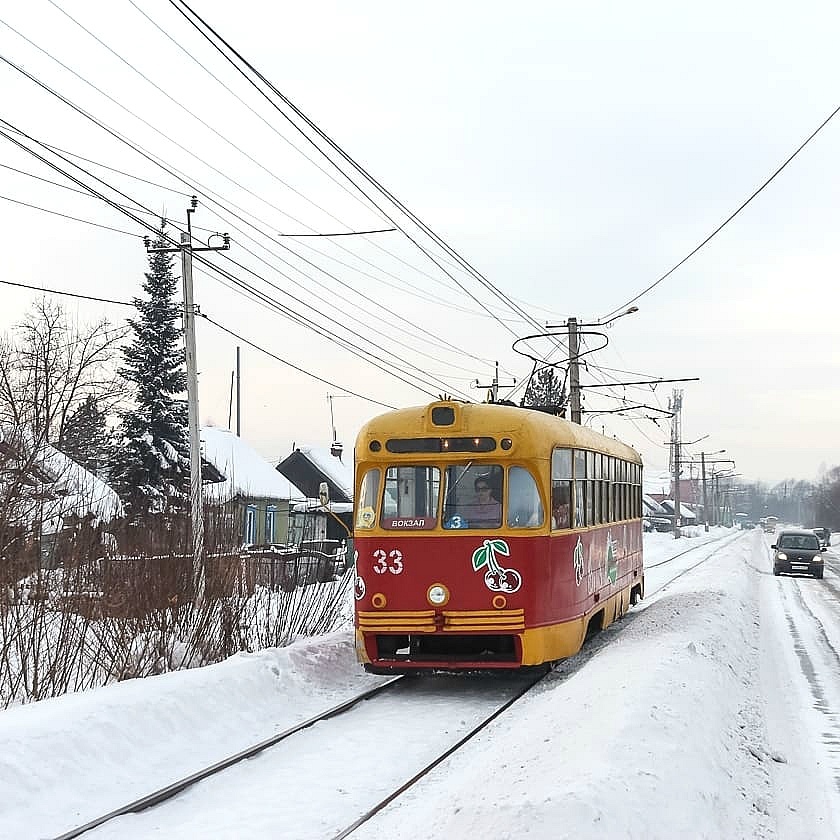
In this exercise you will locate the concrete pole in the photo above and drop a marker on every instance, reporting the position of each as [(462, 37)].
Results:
[(574, 370), (238, 396), (196, 497)]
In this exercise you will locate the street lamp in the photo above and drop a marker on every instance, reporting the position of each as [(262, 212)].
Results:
[(629, 311)]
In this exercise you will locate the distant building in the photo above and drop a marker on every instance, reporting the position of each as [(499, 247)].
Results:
[(310, 466), (688, 516), (48, 496), (256, 500)]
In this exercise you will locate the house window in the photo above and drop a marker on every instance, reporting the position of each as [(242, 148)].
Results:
[(251, 524), (270, 517)]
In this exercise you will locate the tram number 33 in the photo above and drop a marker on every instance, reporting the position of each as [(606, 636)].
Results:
[(387, 561)]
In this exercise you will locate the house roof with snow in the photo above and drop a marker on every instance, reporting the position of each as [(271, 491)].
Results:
[(52, 486), (308, 466), (246, 472), (79, 491), (651, 506), (685, 511)]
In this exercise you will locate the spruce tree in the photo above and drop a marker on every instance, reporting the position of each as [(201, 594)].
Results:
[(545, 388), (85, 436), (150, 466)]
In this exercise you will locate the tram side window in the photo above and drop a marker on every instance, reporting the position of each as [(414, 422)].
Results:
[(561, 489), (580, 504), (579, 508), (525, 508), (411, 498), (593, 500), (368, 500)]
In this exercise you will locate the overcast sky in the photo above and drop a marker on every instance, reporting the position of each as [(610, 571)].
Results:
[(572, 153)]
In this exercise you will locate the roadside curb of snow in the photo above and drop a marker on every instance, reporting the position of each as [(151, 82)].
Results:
[(97, 750)]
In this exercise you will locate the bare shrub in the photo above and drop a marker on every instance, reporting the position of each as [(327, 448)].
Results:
[(94, 610)]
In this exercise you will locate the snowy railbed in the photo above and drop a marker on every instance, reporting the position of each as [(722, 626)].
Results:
[(658, 733)]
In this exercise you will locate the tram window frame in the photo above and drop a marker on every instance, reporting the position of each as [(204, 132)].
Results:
[(422, 483), (521, 512), (579, 460), (579, 504), (457, 506), (562, 487), (369, 501)]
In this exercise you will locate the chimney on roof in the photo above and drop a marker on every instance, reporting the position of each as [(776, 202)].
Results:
[(336, 449)]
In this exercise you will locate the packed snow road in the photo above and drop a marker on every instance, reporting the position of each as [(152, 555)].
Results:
[(800, 666)]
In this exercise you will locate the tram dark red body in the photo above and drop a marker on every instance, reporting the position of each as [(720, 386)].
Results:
[(504, 597)]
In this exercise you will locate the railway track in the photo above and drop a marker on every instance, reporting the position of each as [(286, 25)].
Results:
[(518, 687), (460, 716), (170, 790), (725, 540)]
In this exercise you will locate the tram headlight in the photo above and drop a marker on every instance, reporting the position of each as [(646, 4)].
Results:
[(437, 594), (781, 555)]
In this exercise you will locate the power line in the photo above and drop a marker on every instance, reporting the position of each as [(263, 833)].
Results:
[(66, 294), (353, 194), (347, 233), (188, 111), (130, 214), (178, 4), (66, 216), (172, 171), (118, 136), (289, 364), (78, 192), (726, 221)]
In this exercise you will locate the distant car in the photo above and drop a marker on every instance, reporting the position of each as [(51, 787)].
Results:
[(823, 535), (798, 551), (747, 525)]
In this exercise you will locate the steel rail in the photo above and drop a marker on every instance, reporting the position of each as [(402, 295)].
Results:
[(175, 788), (372, 812)]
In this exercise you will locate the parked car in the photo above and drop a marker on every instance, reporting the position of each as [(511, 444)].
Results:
[(823, 535), (798, 551)]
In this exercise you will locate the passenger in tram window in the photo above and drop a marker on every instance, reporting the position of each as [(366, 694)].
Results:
[(560, 507)]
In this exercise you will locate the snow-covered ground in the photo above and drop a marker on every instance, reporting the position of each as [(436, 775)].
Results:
[(710, 711)]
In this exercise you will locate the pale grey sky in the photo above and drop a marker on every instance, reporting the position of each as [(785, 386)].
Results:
[(572, 153)]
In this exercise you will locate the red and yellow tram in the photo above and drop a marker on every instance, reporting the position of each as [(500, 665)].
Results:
[(490, 536)]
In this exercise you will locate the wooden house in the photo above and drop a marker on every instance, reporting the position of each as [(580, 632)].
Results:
[(254, 499)]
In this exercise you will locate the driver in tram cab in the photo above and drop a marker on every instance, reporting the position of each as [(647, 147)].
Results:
[(486, 510)]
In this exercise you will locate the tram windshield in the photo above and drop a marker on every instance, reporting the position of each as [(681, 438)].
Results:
[(473, 496), (411, 497)]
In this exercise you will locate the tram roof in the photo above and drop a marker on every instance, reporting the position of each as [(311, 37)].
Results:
[(509, 419)]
